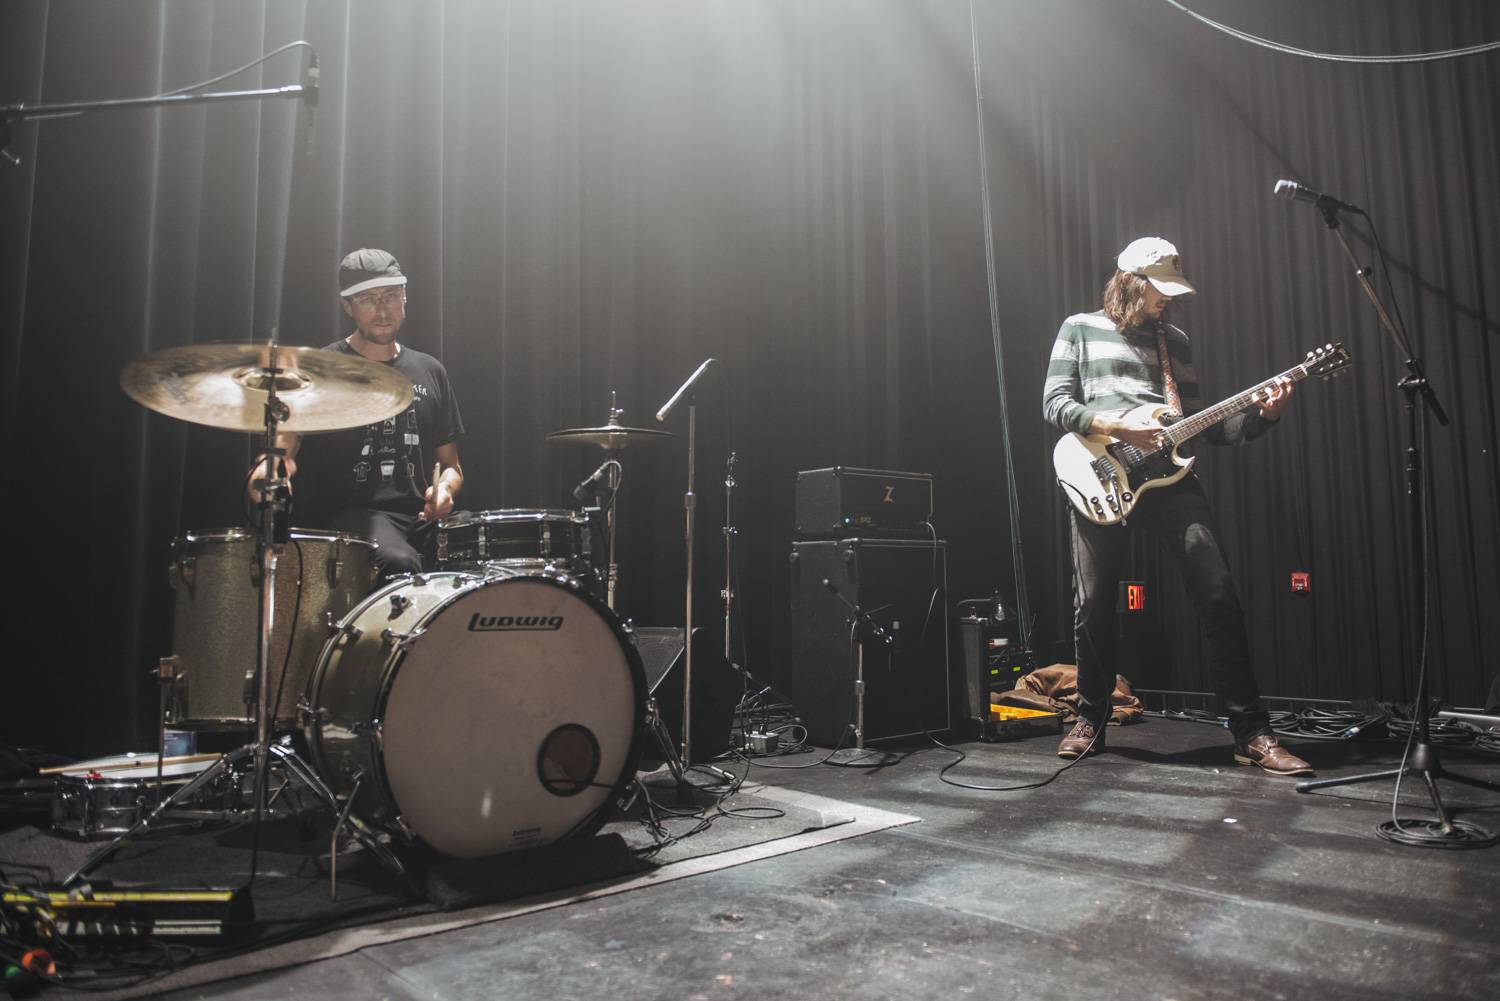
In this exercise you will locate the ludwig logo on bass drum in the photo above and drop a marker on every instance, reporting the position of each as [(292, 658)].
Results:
[(499, 623)]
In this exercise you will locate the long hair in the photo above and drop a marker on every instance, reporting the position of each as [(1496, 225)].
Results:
[(1125, 300)]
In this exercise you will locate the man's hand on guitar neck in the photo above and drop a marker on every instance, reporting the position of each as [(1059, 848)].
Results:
[(1134, 429), (1274, 398)]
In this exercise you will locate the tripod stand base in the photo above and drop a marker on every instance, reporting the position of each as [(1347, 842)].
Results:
[(861, 757), (1443, 832), (286, 759)]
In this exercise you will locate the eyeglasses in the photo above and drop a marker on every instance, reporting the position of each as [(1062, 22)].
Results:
[(391, 298)]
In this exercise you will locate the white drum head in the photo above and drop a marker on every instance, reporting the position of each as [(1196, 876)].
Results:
[(509, 719)]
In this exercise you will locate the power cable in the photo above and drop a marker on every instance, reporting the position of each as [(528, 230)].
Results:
[(1018, 563), (1266, 43)]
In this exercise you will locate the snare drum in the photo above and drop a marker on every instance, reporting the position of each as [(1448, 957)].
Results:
[(518, 538), (320, 576), (478, 714), (102, 799)]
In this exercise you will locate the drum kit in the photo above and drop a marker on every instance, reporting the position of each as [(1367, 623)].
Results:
[(494, 704)]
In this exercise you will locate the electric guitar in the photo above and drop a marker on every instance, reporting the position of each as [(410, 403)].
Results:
[(1104, 477)]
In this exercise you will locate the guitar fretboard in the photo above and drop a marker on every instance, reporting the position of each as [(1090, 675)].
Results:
[(1200, 422)]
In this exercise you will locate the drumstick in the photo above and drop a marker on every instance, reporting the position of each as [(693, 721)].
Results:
[(145, 759)]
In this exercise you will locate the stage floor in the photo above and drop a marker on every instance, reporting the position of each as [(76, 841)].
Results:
[(1159, 870)]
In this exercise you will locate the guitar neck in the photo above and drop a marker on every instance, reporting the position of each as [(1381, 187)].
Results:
[(1203, 420)]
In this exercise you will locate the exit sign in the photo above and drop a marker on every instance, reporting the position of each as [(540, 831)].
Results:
[(1132, 596)]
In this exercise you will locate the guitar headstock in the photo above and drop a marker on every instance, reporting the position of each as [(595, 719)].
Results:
[(1327, 361)]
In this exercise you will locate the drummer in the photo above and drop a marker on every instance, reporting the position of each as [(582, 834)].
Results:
[(393, 480)]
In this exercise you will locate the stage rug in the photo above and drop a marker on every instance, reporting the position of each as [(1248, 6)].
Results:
[(296, 922)]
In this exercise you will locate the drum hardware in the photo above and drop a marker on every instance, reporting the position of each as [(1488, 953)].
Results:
[(690, 507), (166, 680), (293, 390), (668, 747), (613, 437), (727, 593)]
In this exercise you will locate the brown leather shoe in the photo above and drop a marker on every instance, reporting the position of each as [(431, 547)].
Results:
[(1267, 752), (1077, 743)]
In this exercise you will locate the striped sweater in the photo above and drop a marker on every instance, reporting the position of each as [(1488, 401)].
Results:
[(1097, 369)]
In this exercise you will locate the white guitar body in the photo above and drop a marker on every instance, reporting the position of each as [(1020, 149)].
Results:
[(1101, 486), (1103, 478)]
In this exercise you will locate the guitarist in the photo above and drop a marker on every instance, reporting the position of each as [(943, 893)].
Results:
[(1103, 365)]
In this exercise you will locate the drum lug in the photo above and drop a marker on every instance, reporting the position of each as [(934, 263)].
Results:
[(307, 713), (346, 633), (403, 640), (335, 571), (186, 568)]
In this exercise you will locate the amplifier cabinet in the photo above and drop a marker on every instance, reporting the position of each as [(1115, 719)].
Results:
[(904, 586), (845, 502)]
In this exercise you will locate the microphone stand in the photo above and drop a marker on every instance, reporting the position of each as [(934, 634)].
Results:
[(690, 507), (861, 628), (1423, 759), (10, 113)]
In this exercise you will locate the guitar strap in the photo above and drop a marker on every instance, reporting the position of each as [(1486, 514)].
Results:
[(1168, 384)]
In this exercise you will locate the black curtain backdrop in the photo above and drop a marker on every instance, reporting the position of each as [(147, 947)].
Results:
[(594, 196)]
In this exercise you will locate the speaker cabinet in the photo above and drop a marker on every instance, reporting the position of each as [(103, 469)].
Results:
[(716, 688), (904, 586)]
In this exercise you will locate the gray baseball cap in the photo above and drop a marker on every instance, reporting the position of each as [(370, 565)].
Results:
[(368, 268)]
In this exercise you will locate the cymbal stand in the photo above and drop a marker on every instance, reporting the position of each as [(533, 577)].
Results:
[(728, 592), (275, 501)]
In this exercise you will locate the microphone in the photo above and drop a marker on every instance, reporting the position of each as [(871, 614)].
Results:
[(661, 414), (310, 77), (584, 489), (1298, 193)]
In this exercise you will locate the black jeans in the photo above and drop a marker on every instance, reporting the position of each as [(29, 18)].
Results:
[(407, 545), (1179, 518)]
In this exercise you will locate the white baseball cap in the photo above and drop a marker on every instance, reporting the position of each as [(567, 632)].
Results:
[(1158, 262)]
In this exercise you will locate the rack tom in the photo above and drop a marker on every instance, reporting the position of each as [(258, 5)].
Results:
[(214, 576)]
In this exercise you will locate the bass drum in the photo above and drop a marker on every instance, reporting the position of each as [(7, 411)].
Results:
[(478, 714)]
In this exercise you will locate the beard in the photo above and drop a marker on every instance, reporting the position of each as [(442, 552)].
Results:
[(379, 337)]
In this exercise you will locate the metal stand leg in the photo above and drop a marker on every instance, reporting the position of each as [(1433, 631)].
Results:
[(275, 497), (283, 758)]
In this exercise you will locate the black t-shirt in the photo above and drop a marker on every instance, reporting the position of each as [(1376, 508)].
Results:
[(387, 466)]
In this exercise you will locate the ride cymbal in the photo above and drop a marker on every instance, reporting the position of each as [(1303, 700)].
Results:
[(226, 386)]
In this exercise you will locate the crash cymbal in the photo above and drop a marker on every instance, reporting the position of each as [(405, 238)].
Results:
[(226, 386), (609, 436)]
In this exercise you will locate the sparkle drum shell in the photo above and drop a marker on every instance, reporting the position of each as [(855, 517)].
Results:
[(478, 714), (216, 611)]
